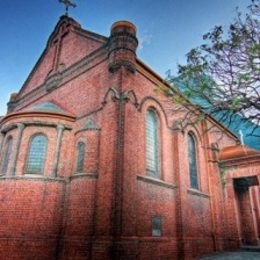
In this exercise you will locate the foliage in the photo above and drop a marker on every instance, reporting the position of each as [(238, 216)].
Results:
[(222, 75)]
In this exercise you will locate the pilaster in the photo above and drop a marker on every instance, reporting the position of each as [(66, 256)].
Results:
[(60, 129), (1, 146), (20, 127)]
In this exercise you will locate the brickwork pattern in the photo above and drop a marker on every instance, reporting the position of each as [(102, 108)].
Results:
[(105, 211)]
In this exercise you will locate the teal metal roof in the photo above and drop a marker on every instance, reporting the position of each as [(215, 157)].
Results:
[(48, 107)]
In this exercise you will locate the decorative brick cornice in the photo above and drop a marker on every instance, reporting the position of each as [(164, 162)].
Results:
[(32, 123), (39, 114), (31, 177), (124, 97), (52, 82), (43, 178), (247, 161)]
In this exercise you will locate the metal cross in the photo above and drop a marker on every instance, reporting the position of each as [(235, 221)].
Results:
[(241, 137), (68, 4)]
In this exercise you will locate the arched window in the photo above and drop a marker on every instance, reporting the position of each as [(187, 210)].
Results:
[(80, 156), (36, 155), (152, 144), (192, 162), (8, 148)]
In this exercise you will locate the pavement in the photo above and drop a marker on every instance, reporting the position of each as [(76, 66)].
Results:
[(240, 255)]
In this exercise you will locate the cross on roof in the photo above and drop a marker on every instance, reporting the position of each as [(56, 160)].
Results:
[(241, 135), (68, 4)]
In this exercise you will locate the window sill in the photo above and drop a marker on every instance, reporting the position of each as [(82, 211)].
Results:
[(28, 176), (34, 175), (83, 174), (198, 193), (156, 181)]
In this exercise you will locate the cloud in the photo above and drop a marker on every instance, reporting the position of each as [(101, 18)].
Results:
[(144, 40)]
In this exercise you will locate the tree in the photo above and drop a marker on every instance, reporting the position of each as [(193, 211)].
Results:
[(222, 76)]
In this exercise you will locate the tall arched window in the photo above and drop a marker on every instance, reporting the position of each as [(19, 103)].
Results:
[(8, 148), (80, 156), (36, 154), (192, 162), (152, 144)]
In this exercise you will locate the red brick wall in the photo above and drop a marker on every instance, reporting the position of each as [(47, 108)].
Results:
[(74, 47), (31, 217), (106, 210), (79, 217)]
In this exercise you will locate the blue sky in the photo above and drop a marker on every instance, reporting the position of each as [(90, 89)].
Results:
[(166, 29)]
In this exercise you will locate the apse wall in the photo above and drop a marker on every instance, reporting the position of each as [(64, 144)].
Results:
[(31, 217)]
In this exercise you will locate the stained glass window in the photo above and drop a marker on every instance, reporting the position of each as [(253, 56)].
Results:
[(36, 155), (81, 155), (192, 162), (152, 160), (8, 148)]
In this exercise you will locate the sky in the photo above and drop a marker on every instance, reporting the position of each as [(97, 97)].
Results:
[(166, 30)]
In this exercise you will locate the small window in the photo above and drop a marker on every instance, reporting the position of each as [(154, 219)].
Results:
[(156, 226), (152, 144), (36, 155), (192, 162), (8, 148), (80, 156)]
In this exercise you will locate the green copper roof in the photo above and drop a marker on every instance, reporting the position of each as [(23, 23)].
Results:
[(90, 125), (48, 107)]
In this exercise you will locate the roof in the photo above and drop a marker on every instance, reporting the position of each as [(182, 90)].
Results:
[(47, 106), (236, 151)]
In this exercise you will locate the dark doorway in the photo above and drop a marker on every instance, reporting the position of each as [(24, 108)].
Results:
[(248, 226)]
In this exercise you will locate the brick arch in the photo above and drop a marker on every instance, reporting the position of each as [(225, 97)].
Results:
[(197, 134), (80, 139), (151, 102)]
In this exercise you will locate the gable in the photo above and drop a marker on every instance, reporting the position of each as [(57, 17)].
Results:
[(67, 44)]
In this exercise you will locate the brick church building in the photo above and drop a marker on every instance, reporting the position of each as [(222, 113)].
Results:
[(94, 166)]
